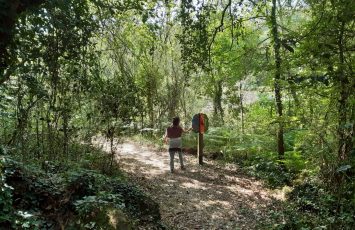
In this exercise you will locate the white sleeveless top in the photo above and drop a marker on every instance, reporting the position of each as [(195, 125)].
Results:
[(175, 142)]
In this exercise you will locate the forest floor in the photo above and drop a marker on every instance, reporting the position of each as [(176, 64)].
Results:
[(212, 196)]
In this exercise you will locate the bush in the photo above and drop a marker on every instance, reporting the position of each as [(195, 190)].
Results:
[(311, 206), (6, 217), (103, 211), (34, 199)]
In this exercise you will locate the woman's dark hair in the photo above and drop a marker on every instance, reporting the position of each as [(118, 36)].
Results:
[(176, 121)]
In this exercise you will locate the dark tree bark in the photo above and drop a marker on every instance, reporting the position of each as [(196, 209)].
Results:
[(241, 106), (218, 92), (344, 130), (277, 79)]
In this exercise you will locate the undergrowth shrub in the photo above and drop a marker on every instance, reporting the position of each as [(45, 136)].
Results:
[(99, 210), (312, 206), (98, 161), (33, 198), (6, 215)]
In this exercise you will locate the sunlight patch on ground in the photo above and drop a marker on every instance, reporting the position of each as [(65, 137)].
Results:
[(195, 185), (216, 203), (127, 148)]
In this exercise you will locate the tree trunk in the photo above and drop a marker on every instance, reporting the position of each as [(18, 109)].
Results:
[(38, 155), (53, 69), (241, 106), (277, 79), (344, 132), (65, 134), (218, 110)]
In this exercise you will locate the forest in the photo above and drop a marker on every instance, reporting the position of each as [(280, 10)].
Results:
[(89, 87)]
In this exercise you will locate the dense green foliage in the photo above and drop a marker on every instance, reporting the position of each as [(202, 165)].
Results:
[(71, 196), (275, 77)]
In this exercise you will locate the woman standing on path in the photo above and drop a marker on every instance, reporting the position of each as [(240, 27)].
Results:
[(173, 133)]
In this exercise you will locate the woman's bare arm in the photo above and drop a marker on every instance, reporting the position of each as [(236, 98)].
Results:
[(165, 137), (187, 130)]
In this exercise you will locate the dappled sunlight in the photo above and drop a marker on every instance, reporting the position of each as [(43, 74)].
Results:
[(196, 185), (127, 148), (220, 203), (212, 196)]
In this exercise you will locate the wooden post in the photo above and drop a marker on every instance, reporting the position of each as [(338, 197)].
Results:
[(200, 148), (200, 141), (200, 126)]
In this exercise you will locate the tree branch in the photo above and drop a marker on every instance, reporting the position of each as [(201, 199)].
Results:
[(218, 28)]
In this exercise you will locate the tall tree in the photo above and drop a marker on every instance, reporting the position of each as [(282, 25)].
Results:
[(277, 78)]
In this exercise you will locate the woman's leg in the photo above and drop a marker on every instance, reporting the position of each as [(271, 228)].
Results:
[(172, 153), (181, 160)]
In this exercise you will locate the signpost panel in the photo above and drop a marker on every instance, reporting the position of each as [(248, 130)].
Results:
[(200, 126), (197, 119)]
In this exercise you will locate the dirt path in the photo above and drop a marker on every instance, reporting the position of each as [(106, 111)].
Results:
[(201, 197)]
